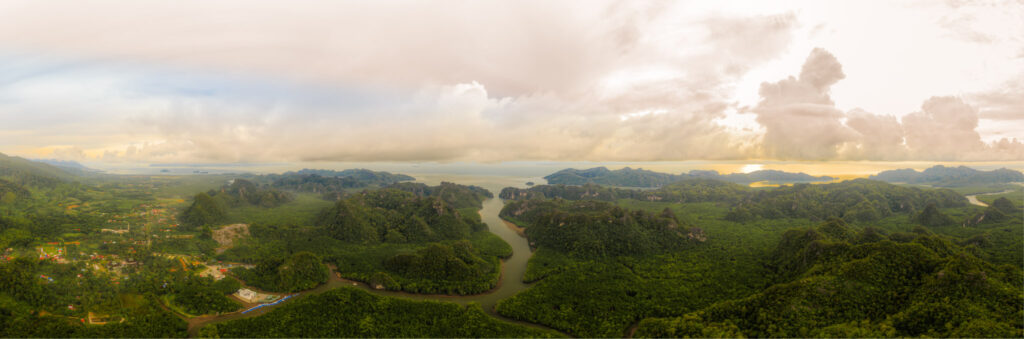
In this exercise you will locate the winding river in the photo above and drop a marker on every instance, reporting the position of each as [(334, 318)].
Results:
[(510, 283), (973, 198)]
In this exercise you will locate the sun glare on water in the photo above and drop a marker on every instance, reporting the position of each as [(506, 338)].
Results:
[(751, 167)]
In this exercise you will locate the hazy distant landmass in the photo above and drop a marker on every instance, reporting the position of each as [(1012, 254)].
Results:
[(950, 176), (70, 166), (628, 177), (62, 163), (361, 174), (27, 172)]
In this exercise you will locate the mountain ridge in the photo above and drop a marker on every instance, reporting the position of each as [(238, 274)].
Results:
[(629, 177), (940, 175)]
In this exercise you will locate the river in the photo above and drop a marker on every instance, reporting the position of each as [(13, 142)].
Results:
[(973, 198), (513, 268)]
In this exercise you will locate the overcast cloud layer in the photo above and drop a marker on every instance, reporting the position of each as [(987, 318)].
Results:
[(501, 81)]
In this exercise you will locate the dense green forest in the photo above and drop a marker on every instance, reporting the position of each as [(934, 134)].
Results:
[(332, 185), (383, 237), (300, 271), (596, 229), (349, 312), (859, 200), (834, 282), (439, 268), (459, 196), (692, 257), (391, 215), (592, 296), (853, 200), (379, 178), (403, 229), (210, 208), (687, 190), (141, 272)]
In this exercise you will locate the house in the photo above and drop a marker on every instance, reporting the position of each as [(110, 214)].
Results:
[(247, 295)]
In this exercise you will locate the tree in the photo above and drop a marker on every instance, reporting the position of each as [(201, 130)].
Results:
[(203, 211)]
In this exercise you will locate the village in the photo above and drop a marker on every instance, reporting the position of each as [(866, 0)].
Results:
[(112, 253)]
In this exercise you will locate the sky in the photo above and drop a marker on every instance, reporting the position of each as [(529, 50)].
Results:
[(497, 81)]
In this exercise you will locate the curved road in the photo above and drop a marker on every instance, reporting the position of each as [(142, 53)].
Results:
[(510, 283)]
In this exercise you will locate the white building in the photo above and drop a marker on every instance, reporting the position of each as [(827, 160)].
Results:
[(247, 295)]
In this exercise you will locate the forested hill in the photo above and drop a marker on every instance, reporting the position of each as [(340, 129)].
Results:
[(628, 177), (391, 215), (836, 282), (459, 196), (950, 176), (71, 167), (688, 190), (349, 312), (859, 200), (333, 185), (241, 191), (360, 174), (26, 172), (594, 229), (210, 208), (421, 242)]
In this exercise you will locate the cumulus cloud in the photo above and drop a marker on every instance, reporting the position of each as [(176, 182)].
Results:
[(1001, 110), (802, 122), (799, 117), (943, 129), (880, 137)]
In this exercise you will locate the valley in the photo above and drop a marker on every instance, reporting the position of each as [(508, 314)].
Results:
[(585, 260)]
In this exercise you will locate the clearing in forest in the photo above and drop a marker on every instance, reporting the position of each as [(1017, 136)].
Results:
[(226, 236)]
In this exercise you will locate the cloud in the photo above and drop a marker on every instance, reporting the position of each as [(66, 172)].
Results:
[(880, 137), (469, 81), (1003, 103), (444, 123), (416, 83), (799, 117), (944, 129), (69, 153), (515, 48), (802, 122), (983, 22)]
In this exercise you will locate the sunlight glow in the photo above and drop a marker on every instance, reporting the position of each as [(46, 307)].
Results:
[(751, 168)]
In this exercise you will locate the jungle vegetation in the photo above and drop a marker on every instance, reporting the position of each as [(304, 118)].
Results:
[(807, 267), (350, 312)]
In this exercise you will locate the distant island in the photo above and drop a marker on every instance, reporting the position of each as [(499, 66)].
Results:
[(950, 176), (628, 177)]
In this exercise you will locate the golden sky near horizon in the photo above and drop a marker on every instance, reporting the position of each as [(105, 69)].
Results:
[(257, 81)]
